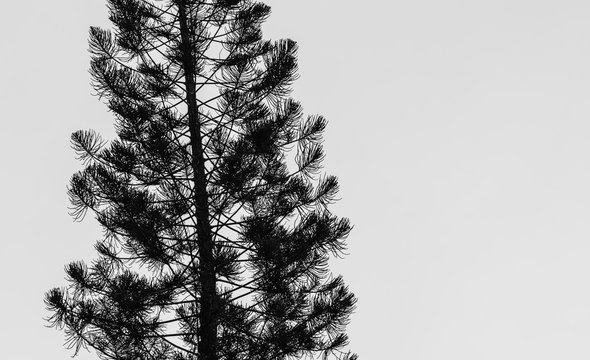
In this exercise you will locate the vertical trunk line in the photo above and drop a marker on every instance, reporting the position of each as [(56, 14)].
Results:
[(207, 314)]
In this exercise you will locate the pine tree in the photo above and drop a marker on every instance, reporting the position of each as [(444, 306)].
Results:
[(217, 232)]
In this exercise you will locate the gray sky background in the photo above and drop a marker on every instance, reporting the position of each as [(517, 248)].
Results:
[(459, 131)]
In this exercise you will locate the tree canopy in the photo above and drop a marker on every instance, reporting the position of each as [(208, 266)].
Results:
[(217, 228)]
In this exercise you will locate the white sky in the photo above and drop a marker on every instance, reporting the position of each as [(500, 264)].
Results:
[(458, 130)]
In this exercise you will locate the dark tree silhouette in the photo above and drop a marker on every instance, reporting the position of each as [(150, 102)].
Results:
[(213, 205)]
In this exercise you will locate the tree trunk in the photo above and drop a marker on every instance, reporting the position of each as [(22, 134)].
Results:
[(207, 314)]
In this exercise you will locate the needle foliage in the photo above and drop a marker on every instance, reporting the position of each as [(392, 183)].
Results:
[(217, 232)]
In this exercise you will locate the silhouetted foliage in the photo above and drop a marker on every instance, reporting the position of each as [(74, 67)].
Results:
[(217, 233)]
